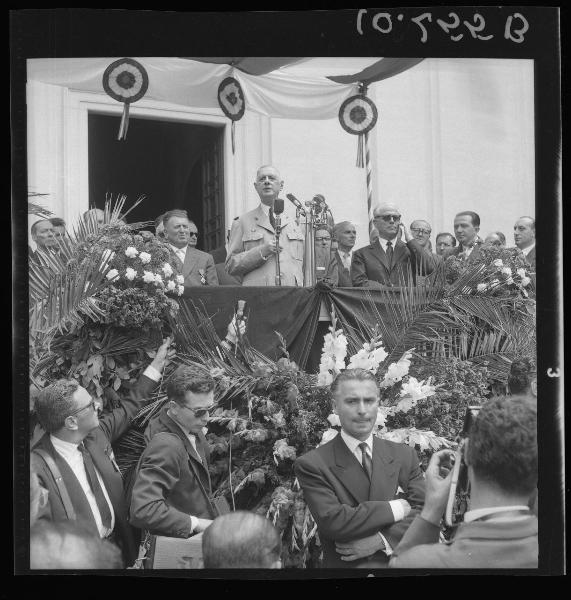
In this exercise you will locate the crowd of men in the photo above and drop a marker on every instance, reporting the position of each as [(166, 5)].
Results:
[(373, 506), (392, 253)]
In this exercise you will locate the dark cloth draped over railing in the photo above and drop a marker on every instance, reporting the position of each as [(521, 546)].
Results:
[(292, 311)]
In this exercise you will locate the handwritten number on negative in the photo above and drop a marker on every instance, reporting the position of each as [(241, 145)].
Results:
[(519, 32), (474, 29), (418, 20), (447, 27)]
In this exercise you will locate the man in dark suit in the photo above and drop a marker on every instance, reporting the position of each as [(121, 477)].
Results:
[(361, 490), (171, 492), (181, 234), (524, 237), (499, 531), (388, 261), (346, 235), (466, 227), (43, 234), (79, 443)]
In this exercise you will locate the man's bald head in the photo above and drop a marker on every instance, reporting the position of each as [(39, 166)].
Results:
[(386, 218)]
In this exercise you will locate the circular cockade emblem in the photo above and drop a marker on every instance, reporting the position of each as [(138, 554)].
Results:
[(231, 98), (358, 114), (125, 80)]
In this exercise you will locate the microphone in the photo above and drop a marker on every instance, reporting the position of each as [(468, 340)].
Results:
[(278, 206), (296, 203)]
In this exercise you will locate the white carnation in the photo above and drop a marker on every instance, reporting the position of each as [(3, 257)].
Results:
[(131, 252), (130, 274), (498, 263), (482, 287), (334, 420), (521, 273), (167, 270), (324, 378), (180, 290), (180, 279), (148, 277), (145, 257), (158, 278), (525, 281), (113, 274), (171, 285), (507, 271)]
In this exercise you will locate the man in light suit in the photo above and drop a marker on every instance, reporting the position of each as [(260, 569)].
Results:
[(181, 234), (252, 248), (79, 444), (466, 227), (388, 261), (524, 237), (499, 531), (346, 236), (361, 490)]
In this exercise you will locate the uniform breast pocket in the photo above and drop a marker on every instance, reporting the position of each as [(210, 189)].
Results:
[(295, 239), (252, 239)]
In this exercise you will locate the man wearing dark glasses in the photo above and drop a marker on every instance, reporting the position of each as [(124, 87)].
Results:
[(171, 492), (181, 234), (74, 461), (388, 261)]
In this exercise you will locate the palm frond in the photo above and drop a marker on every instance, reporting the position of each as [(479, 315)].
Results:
[(37, 209)]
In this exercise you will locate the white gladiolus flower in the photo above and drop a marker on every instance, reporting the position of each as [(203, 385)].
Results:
[(334, 420), (113, 274), (498, 263), (145, 257), (180, 290), (131, 252), (525, 281), (148, 277), (328, 436), (171, 285), (482, 287), (167, 270), (130, 274), (417, 389), (180, 279)]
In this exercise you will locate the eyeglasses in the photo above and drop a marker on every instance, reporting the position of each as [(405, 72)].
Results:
[(422, 231), (199, 412), (193, 234), (323, 239), (387, 218), (92, 405)]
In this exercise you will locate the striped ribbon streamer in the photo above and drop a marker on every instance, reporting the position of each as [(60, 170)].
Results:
[(369, 183)]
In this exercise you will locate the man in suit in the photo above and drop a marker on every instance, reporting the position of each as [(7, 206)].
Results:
[(79, 443), (326, 268), (361, 490), (346, 236), (43, 234), (181, 235), (388, 261), (252, 247), (444, 241), (466, 227), (499, 531), (171, 491), (524, 237)]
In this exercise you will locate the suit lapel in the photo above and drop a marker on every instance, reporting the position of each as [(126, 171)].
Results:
[(349, 472), (176, 259), (399, 252), (192, 453), (384, 483), (263, 220), (380, 255), (189, 262)]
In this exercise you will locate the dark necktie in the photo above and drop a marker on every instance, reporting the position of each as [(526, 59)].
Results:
[(366, 460), (272, 218), (390, 252), (96, 487)]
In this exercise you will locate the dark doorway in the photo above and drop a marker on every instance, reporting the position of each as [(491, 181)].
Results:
[(175, 165)]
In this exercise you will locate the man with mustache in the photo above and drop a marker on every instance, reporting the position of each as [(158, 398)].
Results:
[(362, 491)]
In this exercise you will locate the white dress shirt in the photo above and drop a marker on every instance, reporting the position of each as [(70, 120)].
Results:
[(73, 457), (180, 252), (346, 257), (383, 243), (527, 250), (473, 515), (396, 506)]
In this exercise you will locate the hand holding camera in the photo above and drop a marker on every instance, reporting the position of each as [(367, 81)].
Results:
[(438, 479)]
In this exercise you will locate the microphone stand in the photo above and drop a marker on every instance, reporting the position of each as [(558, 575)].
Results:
[(278, 228)]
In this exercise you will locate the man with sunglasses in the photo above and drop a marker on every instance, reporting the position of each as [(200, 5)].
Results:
[(181, 235), (388, 261), (171, 494), (74, 459)]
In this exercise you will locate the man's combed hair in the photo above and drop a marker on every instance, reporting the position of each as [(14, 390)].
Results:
[(240, 540), (502, 448), (351, 375), (55, 403), (188, 379), (474, 216), (177, 212), (445, 233), (57, 222)]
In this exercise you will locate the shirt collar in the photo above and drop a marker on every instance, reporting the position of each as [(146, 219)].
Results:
[(177, 250), (353, 443), (473, 515), (383, 242), (62, 445), (265, 208), (527, 250)]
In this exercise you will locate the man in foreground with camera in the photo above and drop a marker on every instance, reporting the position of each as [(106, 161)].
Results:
[(499, 530)]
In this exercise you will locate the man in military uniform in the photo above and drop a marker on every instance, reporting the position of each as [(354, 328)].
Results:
[(252, 248)]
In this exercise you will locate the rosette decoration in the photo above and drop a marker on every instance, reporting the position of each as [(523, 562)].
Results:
[(358, 115), (231, 101), (126, 81)]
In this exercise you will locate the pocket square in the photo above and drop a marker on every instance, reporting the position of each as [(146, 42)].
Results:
[(399, 491)]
